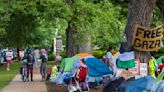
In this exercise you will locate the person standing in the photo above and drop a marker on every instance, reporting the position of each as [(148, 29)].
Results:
[(36, 56), (30, 61), (1, 57), (44, 59), (109, 60), (9, 57)]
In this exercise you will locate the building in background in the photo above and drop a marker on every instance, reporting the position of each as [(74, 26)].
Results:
[(58, 44)]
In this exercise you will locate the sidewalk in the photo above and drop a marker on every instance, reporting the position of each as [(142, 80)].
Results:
[(18, 86)]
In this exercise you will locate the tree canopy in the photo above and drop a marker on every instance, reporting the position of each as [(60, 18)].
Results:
[(36, 22)]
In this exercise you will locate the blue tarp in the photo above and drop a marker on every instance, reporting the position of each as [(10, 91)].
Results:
[(97, 68), (141, 84), (160, 86)]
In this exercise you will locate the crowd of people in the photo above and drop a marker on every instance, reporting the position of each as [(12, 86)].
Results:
[(30, 59), (6, 57), (33, 58)]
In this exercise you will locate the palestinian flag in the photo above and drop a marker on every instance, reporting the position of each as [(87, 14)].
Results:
[(126, 60)]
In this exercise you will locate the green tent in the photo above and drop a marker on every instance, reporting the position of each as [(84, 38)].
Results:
[(159, 60), (67, 63)]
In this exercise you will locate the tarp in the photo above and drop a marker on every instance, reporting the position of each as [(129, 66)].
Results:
[(97, 68), (141, 84), (67, 63), (111, 85), (122, 86), (160, 87)]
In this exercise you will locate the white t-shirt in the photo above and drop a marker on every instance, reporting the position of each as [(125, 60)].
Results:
[(110, 56), (36, 53), (113, 61), (9, 55)]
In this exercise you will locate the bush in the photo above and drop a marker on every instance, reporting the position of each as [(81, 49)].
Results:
[(63, 54), (51, 57), (98, 53), (159, 53), (161, 50)]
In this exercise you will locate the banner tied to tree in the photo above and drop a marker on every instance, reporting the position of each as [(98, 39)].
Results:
[(147, 39)]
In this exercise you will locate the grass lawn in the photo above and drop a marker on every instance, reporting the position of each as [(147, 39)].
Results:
[(7, 76), (51, 64)]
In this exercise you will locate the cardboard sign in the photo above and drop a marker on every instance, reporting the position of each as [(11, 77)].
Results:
[(143, 69), (136, 69), (147, 39)]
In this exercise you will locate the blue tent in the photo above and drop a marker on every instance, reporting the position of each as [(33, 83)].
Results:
[(160, 86), (141, 84), (97, 68)]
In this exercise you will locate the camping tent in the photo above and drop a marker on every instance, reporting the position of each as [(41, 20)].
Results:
[(111, 85), (122, 86), (145, 84), (160, 86), (67, 63), (83, 54), (97, 68)]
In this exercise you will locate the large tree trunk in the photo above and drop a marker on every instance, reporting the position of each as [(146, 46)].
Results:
[(70, 48), (85, 44), (18, 53), (77, 42), (139, 12)]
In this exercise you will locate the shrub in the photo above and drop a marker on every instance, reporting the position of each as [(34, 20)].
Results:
[(98, 53), (63, 54), (51, 57), (159, 53)]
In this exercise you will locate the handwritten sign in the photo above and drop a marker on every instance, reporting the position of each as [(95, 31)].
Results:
[(136, 70), (143, 69), (147, 39)]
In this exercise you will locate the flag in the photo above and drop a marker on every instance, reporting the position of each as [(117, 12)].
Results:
[(126, 60)]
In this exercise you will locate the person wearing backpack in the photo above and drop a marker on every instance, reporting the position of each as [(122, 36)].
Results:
[(81, 76)]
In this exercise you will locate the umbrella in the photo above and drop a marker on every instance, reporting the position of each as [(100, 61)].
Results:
[(141, 84), (159, 60), (83, 54), (160, 87), (123, 85), (111, 85)]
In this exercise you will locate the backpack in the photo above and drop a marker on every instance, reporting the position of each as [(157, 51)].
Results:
[(82, 73)]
